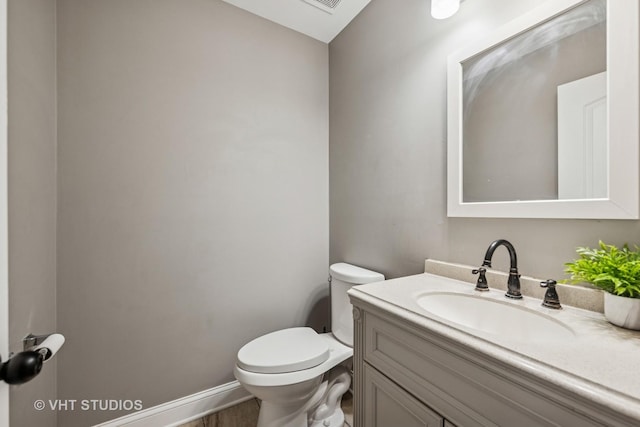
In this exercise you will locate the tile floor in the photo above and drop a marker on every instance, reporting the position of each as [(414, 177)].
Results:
[(246, 415)]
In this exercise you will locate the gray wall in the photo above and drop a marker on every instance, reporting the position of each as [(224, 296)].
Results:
[(32, 194), (388, 149), (193, 193)]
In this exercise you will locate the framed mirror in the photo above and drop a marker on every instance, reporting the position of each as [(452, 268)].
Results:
[(544, 117)]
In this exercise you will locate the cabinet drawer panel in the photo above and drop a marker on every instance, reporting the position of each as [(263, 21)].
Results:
[(468, 393), (390, 406)]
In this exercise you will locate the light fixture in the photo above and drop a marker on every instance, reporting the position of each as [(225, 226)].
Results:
[(442, 9)]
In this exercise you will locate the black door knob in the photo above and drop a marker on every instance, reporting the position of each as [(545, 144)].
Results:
[(22, 367)]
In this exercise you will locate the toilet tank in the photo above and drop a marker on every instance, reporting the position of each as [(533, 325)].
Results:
[(343, 276)]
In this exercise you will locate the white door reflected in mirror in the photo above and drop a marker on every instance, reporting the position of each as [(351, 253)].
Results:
[(582, 138)]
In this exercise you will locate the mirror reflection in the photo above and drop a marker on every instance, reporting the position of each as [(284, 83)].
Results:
[(534, 113)]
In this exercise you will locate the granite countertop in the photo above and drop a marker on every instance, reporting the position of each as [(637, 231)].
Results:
[(600, 363)]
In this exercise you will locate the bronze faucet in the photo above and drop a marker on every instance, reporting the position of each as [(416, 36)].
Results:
[(513, 284)]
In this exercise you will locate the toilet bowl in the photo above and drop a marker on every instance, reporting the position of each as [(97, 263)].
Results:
[(296, 372), (290, 395)]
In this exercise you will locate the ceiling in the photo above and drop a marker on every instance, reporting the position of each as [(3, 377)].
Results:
[(320, 19)]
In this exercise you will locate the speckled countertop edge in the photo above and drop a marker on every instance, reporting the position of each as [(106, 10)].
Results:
[(579, 366)]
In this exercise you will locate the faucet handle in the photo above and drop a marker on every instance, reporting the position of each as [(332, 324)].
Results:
[(551, 298), (481, 284), (549, 283)]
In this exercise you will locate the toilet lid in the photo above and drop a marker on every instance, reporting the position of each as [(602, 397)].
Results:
[(287, 350)]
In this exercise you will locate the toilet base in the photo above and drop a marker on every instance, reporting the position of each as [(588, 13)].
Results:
[(329, 413), (321, 409), (281, 416), (335, 420)]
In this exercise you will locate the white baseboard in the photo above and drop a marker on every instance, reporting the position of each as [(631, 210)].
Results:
[(185, 409)]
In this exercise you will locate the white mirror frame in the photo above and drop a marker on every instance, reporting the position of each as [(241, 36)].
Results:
[(623, 115)]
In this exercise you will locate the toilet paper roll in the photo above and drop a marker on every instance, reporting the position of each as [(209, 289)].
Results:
[(52, 344)]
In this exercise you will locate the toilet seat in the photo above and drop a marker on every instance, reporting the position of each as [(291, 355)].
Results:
[(286, 350), (338, 353)]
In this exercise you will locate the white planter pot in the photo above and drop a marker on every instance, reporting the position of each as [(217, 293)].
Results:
[(622, 311)]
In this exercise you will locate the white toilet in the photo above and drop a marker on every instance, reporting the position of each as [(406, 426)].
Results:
[(285, 369)]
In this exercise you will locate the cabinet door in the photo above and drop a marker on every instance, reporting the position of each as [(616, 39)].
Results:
[(387, 405)]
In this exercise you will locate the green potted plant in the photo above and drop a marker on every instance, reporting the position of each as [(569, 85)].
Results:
[(617, 272)]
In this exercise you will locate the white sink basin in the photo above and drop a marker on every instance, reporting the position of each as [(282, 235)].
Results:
[(494, 317)]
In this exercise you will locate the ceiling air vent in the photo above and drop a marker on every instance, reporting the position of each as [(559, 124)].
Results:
[(328, 6)]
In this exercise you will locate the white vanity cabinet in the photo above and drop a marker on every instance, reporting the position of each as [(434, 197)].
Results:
[(408, 375)]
